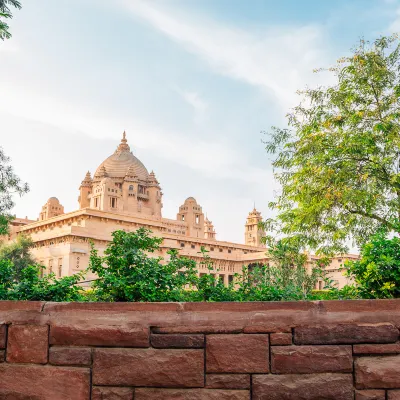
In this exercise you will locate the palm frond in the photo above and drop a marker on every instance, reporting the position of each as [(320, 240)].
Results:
[(6, 4)]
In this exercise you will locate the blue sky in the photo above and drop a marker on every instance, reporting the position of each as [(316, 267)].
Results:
[(192, 82)]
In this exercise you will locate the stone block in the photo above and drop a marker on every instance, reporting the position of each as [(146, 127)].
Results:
[(177, 341), (311, 359), (99, 335), (70, 355), (392, 348), (191, 394), (377, 372), (112, 393), (28, 344), (242, 353), (148, 367), (228, 381), (3, 330), (280, 339), (303, 387), (34, 382), (393, 395), (370, 395), (346, 334), (2, 355)]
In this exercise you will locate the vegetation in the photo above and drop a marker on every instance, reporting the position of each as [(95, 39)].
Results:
[(5, 13), (377, 273), (10, 185), (339, 163)]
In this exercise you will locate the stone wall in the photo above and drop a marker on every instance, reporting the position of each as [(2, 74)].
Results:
[(339, 350)]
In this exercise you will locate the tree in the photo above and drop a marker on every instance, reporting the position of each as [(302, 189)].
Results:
[(338, 163), (377, 272), (5, 13), (18, 253), (128, 273), (10, 185)]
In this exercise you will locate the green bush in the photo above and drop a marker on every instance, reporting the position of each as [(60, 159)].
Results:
[(377, 272)]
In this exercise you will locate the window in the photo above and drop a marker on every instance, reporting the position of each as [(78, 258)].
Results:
[(197, 219), (229, 251), (182, 244), (212, 248), (50, 266), (340, 260), (96, 202), (183, 217), (320, 287), (59, 267), (230, 278), (220, 250), (193, 246), (113, 202), (130, 187)]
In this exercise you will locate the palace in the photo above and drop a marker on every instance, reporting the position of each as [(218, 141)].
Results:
[(123, 195)]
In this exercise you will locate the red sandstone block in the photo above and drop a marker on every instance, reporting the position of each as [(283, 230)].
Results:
[(2, 336), (228, 381), (370, 395), (177, 341), (28, 344), (280, 339), (191, 394), (23, 382), (112, 393), (310, 359), (148, 367), (393, 394), (392, 348), (346, 334), (377, 372), (237, 353), (2, 355), (70, 356), (303, 387), (99, 335)]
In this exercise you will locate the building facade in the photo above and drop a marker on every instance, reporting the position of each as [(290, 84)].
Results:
[(123, 195)]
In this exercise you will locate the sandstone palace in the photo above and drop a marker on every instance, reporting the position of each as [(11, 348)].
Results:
[(123, 195)]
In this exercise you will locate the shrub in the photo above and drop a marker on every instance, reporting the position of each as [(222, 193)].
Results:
[(377, 272)]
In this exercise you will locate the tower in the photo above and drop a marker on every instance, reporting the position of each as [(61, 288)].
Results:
[(253, 234), (209, 230), (192, 214), (52, 208), (84, 191)]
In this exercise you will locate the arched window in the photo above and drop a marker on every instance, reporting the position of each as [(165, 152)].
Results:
[(130, 187)]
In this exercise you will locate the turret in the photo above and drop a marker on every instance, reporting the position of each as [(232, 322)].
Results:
[(84, 191), (253, 233), (155, 194), (209, 231)]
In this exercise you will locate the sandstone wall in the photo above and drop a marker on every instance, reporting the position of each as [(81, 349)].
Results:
[(338, 350)]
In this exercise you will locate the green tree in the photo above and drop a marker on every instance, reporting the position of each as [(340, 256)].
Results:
[(377, 272), (128, 273), (5, 13), (339, 162), (18, 253), (10, 185)]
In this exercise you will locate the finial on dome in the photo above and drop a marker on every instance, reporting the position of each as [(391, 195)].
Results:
[(123, 146)]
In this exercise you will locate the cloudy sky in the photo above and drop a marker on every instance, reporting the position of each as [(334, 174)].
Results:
[(193, 83)]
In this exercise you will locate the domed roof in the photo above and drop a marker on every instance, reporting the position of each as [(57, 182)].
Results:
[(190, 200), (53, 200), (118, 164)]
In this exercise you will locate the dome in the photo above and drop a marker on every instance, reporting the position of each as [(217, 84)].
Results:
[(53, 199), (118, 164), (190, 200)]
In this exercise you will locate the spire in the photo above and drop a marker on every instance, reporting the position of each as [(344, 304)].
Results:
[(123, 146), (87, 180), (102, 172)]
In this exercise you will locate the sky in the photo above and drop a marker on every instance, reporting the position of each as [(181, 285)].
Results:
[(194, 83)]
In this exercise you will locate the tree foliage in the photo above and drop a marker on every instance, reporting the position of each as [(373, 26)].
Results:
[(5, 13), (10, 185), (377, 272), (339, 162)]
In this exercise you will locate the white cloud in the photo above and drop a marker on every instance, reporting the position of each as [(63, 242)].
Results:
[(194, 99), (279, 59)]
